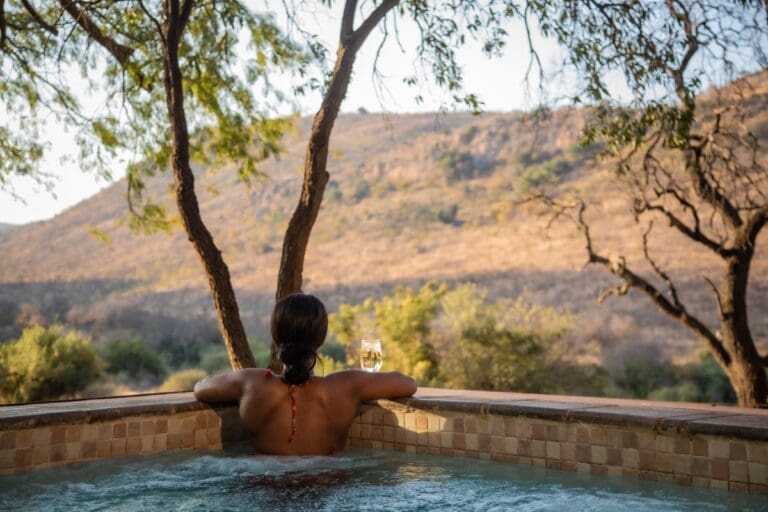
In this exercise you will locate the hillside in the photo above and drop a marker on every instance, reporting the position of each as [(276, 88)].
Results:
[(412, 198)]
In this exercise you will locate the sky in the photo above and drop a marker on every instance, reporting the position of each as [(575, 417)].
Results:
[(498, 82)]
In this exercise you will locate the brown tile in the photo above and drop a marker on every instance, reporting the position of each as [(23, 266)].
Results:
[(719, 484), (118, 447), (665, 462), (524, 430), (148, 443), (74, 433), (698, 481), (682, 446), (567, 465), (646, 441), (510, 427), (399, 447), (757, 452), (700, 447), (758, 489), (524, 447), (119, 430), (201, 420), (555, 433), (738, 487), (355, 430), (738, 471), (647, 474), (377, 432), (758, 473), (647, 460), (597, 436), (103, 448), (539, 431), (90, 432), (583, 467), (497, 426), (23, 458), (24, 439), (700, 467), (598, 469), (134, 428), (630, 458), (470, 425), (682, 465), (568, 452), (503, 457), (719, 448), (484, 443), (613, 457), (365, 431), (161, 426), (553, 450), (613, 438), (41, 455), (132, 445), (388, 434), (200, 439), (684, 480), (214, 438), (214, 421), (719, 469), (148, 428), (89, 449), (160, 442), (41, 437), (399, 436), (188, 424), (422, 439), (738, 451), (411, 437), (583, 453), (8, 440), (629, 440), (74, 451), (187, 440), (553, 464), (58, 453), (582, 435), (105, 431), (458, 441)]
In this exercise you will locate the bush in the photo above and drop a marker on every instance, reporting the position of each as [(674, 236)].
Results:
[(456, 165), (447, 215), (183, 380), (134, 359), (45, 364)]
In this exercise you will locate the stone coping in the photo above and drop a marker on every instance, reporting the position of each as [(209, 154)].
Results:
[(660, 416)]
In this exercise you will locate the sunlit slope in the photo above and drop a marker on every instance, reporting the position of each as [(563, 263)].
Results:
[(411, 198)]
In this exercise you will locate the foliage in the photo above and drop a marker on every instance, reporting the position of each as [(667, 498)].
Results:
[(133, 358), (448, 215), (183, 380), (226, 53), (45, 364)]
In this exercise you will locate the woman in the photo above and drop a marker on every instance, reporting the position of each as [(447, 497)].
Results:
[(296, 413)]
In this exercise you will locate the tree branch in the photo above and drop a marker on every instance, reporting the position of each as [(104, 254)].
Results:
[(755, 224), (358, 36), (120, 52), (39, 19), (694, 233), (348, 21), (3, 25)]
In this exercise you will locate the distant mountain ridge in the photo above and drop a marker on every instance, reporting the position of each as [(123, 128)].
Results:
[(412, 198)]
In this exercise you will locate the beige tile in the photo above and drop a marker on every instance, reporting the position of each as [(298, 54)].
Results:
[(757, 452), (7, 458), (24, 438), (665, 462), (23, 458), (568, 452), (613, 438), (738, 451), (738, 471), (446, 439), (160, 442), (599, 454), (483, 426), (41, 455), (434, 439), (497, 444), (646, 441), (41, 437), (103, 448), (719, 449), (161, 425), (471, 441), (147, 444), (553, 450), (8, 440), (665, 444), (538, 449), (90, 432), (510, 445), (57, 453), (497, 425), (148, 427), (597, 436), (105, 431), (758, 473), (187, 425), (74, 451), (132, 445), (630, 458), (436, 423), (682, 465)]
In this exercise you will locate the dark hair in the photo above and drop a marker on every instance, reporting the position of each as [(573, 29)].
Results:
[(299, 325)]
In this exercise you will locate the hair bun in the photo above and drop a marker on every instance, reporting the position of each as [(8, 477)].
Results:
[(299, 361)]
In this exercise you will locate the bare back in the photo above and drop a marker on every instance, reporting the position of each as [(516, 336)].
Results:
[(325, 406)]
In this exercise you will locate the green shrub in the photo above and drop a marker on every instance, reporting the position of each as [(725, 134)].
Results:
[(45, 364), (447, 215), (183, 380), (360, 190), (134, 359), (457, 165)]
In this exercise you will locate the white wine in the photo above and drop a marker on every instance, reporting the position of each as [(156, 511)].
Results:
[(371, 360), (370, 355)]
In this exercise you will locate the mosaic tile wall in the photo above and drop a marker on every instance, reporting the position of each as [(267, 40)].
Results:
[(633, 452)]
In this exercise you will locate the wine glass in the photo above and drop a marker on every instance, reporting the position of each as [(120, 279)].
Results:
[(370, 355)]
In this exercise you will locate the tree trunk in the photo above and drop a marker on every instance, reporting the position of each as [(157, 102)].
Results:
[(216, 270), (746, 370)]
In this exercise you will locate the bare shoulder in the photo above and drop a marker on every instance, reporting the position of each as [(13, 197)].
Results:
[(371, 386)]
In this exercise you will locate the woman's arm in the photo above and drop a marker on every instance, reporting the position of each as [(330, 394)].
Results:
[(372, 386), (224, 388)]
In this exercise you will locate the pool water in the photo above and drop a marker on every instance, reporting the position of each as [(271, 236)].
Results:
[(356, 480)]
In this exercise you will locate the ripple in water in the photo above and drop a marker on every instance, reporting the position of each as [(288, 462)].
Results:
[(191, 482)]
